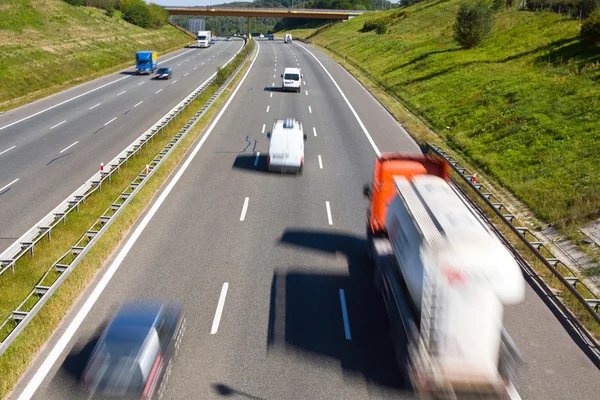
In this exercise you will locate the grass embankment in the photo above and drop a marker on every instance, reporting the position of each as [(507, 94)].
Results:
[(18, 356), (47, 46), (523, 107)]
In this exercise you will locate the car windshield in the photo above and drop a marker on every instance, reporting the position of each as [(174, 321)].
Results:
[(293, 77), (163, 71)]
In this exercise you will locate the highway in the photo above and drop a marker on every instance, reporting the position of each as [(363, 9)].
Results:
[(50, 147), (281, 259)]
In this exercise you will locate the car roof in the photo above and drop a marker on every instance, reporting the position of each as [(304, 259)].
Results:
[(136, 314), (291, 70)]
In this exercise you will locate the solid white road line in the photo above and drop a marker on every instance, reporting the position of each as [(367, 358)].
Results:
[(220, 305), (4, 187), (263, 130), (309, 109), (362, 126), (92, 107), (141, 83), (66, 337), (138, 104), (60, 123), (68, 147), (329, 220), (320, 162), (61, 103), (124, 91), (110, 121), (345, 315), (315, 131), (256, 160), (244, 209), (9, 149), (268, 107), (158, 91)]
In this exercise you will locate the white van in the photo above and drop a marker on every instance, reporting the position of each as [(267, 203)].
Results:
[(287, 38), (291, 79), (286, 147)]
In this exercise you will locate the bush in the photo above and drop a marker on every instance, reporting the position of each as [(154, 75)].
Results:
[(379, 25), (473, 24), (74, 2), (110, 11), (590, 29), (498, 5), (381, 29), (158, 15)]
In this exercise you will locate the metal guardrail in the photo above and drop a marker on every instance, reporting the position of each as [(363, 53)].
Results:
[(68, 261), (525, 235), (27, 242)]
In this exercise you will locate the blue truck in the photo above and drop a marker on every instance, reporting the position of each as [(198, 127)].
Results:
[(146, 62)]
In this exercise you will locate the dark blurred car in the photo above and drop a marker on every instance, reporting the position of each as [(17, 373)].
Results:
[(271, 37), (134, 355), (164, 73), (228, 38)]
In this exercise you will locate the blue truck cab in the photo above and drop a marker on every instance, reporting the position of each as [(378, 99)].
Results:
[(146, 62)]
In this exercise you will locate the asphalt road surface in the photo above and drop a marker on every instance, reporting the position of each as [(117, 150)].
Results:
[(300, 318), (50, 147)]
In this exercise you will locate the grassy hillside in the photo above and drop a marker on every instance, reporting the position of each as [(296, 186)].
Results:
[(47, 45), (524, 106)]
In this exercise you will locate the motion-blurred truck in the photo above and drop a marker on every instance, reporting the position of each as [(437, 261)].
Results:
[(444, 278), (146, 61)]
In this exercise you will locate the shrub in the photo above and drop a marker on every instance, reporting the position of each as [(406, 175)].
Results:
[(473, 24), (137, 14), (590, 29), (498, 5), (381, 29), (379, 25), (74, 2), (158, 15)]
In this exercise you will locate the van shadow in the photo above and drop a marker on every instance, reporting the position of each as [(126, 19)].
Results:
[(272, 89), (306, 316), (127, 73), (76, 360), (249, 162)]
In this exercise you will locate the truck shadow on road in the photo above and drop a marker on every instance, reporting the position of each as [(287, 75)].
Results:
[(306, 314)]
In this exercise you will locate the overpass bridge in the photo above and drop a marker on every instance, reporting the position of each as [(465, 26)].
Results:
[(250, 12)]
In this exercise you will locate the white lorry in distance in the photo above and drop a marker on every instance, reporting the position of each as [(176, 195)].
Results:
[(287, 38), (203, 38)]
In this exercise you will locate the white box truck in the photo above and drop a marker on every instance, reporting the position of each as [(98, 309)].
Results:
[(445, 279), (203, 38)]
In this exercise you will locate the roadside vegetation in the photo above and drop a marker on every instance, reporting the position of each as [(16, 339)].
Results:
[(521, 104), (48, 45), (15, 286)]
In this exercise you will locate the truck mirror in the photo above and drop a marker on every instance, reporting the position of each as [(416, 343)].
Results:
[(282, 75), (268, 135), (305, 137), (367, 190)]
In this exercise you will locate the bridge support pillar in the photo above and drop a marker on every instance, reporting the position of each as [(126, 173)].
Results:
[(249, 27)]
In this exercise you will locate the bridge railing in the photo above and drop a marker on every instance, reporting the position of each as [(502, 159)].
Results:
[(263, 9)]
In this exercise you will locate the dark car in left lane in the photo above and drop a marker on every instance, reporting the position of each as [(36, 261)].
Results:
[(134, 356), (164, 73)]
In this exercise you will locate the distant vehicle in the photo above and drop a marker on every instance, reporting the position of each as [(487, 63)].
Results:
[(286, 146), (134, 355), (288, 38), (244, 36), (203, 39), (271, 37), (212, 40), (261, 36), (445, 279), (291, 80), (164, 73), (146, 61), (228, 38)]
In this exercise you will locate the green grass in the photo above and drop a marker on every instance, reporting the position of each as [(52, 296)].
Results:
[(18, 356), (47, 46), (523, 107)]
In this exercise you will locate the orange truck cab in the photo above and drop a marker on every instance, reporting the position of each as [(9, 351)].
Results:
[(382, 190)]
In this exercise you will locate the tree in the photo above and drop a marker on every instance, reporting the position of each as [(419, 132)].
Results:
[(473, 24), (137, 14), (590, 29)]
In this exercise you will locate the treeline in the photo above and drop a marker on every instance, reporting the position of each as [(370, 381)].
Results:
[(136, 12), (227, 26)]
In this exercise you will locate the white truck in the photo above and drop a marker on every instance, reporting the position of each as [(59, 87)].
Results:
[(445, 279), (286, 146), (203, 38)]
